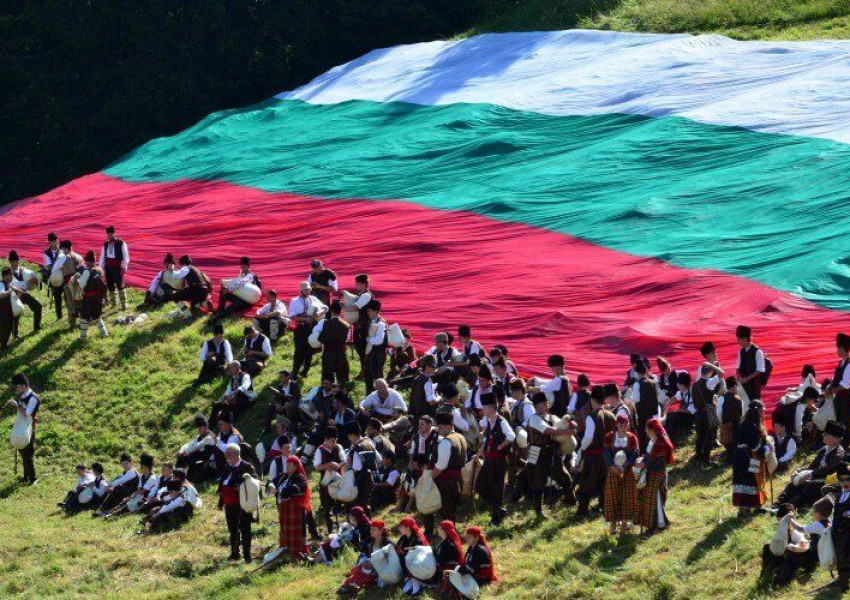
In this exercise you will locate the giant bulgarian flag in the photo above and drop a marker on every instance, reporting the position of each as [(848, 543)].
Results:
[(589, 193)]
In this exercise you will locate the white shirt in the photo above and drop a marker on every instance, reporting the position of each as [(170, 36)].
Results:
[(230, 439), (126, 476), (279, 307), (110, 253), (150, 487), (473, 401), (636, 396), (444, 453), (759, 360), (31, 402), (428, 388), (527, 412), (589, 431), (100, 487), (380, 330), (244, 385), (338, 455), (298, 306), (474, 348), (86, 479), (267, 347), (356, 463), (845, 376), (459, 421), (60, 260), (228, 352), (331, 282), (181, 272), (173, 504), (393, 402), (843, 498), (392, 477), (19, 284), (46, 260), (550, 387), (510, 436), (790, 451), (155, 282), (537, 423), (364, 299), (815, 528), (685, 401), (450, 355)]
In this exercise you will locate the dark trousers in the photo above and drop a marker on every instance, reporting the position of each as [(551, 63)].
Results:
[(36, 308), (591, 482), (335, 363), (374, 367), (364, 490), (229, 304), (450, 497), (209, 371), (197, 465), (112, 500), (28, 459), (705, 435), (309, 524), (801, 495), (753, 388), (239, 526), (114, 277), (56, 295), (360, 335), (6, 324), (252, 366), (326, 507), (302, 358), (491, 484), (239, 404)]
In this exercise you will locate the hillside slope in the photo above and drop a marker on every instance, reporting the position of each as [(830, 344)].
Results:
[(131, 392)]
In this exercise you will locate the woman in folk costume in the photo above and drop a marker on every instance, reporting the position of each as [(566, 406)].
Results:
[(749, 466), (293, 502), (356, 534), (477, 562), (450, 555), (363, 575), (411, 536), (620, 453), (652, 497)]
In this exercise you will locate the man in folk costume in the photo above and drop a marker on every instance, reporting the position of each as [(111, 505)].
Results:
[(752, 365), (91, 281), (645, 397), (238, 395), (238, 521), (272, 317), (667, 378), (216, 354), (387, 480), (159, 292), (448, 456), (808, 487), (598, 424), (67, 264), (841, 529), (839, 387), (303, 310), (420, 450), (323, 281), (364, 459), (498, 437), (121, 486), (446, 357), (423, 395), (333, 335), (731, 410), (329, 456), (579, 404), (7, 318), (20, 281), (256, 351), (402, 369), (710, 383), (544, 458), (114, 261), (286, 401), (197, 456), (228, 302), (27, 404), (376, 345), (468, 348), (197, 287), (483, 386), (520, 414), (558, 389), (227, 435), (49, 256), (362, 284)]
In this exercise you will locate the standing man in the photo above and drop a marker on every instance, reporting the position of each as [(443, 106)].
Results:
[(333, 335), (645, 397), (20, 281), (751, 363), (361, 328), (705, 419), (839, 387), (322, 281), (238, 521), (67, 264), (593, 471), (447, 459), (329, 456), (364, 459), (498, 437), (303, 310), (376, 345), (26, 404), (49, 257), (94, 290), (544, 459), (558, 389), (114, 261), (7, 319)]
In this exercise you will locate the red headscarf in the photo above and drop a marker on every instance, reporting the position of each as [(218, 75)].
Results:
[(305, 500), (451, 533), (360, 516), (410, 523), (663, 446), (482, 541)]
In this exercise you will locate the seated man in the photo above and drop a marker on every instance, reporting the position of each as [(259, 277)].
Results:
[(256, 351), (227, 435), (271, 318), (805, 486), (121, 486), (402, 359), (386, 482), (286, 401), (85, 479), (238, 395), (228, 302), (384, 404), (159, 291), (784, 444), (216, 354), (446, 357), (197, 455), (196, 289), (178, 506), (146, 488)]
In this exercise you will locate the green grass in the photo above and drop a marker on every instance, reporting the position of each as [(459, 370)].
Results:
[(740, 19), (131, 392)]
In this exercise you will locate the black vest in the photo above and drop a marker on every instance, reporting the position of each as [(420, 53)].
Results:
[(647, 408), (702, 396), (323, 278), (255, 344), (119, 249), (562, 398), (493, 435), (748, 360), (219, 354), (421, 455), (334, 334)]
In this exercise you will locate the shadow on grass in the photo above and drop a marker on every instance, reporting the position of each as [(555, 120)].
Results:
[(9, 489), (715, 538)]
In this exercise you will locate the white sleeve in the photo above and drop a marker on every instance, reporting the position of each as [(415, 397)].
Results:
[(203, 355), (123, 478), (527, 413), (332, 283), (155, 283), (550, 387), (317, 459), (845, 377), (429, 391), (444, 453), (459, 422), (293, 307), (181, 273), (378, 338), (267, 347), (31, 406), (281, 308), (760, 361), (737, 362), (356, 462), (814, 528), (174, 504), (589, 431), (102, 262), (244, 384), (789, 451), (506, 429), (369, 401), (364, 299), (713, 382), (60, 260), (228, 352), (273, 471), (392, 477), (537, 424), (126, 262), (398, 402), (84, 278), (264, 310), (798, 418)]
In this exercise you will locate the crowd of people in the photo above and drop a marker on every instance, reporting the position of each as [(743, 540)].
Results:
[(437, 429)]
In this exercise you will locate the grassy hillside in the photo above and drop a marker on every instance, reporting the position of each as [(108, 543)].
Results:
[(741, 19), (131, 392)]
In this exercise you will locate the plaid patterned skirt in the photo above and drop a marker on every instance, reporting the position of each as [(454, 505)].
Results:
[(621, 497), (291, 516), (647, 506)]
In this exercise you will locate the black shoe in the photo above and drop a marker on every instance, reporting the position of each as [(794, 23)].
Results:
[(233, 556), (248, 560)]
